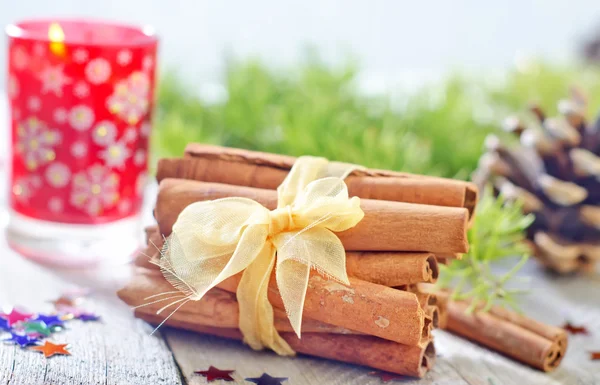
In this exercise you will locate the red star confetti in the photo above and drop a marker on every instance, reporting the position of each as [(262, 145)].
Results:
[(65, 301), (386, 377), (15, 316), (595, 356), (49, 349), (575, 329), (216, 374)]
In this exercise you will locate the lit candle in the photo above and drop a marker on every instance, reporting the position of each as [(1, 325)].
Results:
[(57, 37), (81, 97)]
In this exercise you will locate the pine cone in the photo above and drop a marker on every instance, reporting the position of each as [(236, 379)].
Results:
[(555, 172)]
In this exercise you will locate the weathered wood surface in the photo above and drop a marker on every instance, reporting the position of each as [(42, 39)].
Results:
[(120, 350)]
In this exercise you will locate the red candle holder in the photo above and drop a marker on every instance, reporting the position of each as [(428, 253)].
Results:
[(81, 97)]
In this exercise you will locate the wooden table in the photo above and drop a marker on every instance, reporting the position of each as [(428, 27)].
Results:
[(120, 349)]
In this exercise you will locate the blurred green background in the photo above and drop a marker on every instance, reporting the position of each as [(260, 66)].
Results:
[(316, 109)]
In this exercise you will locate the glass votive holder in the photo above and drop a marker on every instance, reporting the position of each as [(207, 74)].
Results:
[(81, 98)]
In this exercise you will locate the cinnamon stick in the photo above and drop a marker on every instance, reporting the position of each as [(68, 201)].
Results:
[(392, 268), (217, 308), (383, 268), (263, 170), (386, 226), (355, 349), (524, 339), (363, 307)]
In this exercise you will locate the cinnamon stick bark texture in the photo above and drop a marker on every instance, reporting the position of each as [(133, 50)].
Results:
[(360, 350), (363, 307), (392, 268), (217, 308), (386, 226), (262, 170), (383, 268), (526, 340)]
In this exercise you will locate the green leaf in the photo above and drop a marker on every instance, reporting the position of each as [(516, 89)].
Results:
[(497, 234)]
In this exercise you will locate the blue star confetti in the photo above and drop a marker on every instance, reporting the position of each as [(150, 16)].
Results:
[(86, 317), (4, 325), (21, 340), (265, 379), (33, 329), (50, 320)]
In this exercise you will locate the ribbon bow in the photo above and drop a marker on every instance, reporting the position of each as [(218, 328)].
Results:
[(214, 240)]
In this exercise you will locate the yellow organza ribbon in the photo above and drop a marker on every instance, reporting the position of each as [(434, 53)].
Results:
[(217, 239)]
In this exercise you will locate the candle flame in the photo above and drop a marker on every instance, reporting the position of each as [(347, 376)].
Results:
[(56, 35)]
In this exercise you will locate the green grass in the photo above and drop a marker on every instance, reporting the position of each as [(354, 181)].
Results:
[(318, 110)]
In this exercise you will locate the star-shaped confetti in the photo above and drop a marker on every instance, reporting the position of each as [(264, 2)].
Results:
[(68, 312), (65, 301), (216, 374), (49, 349), (4, 325), (265, 379), (21, 340), (37, 327), (15, 316), (85, 317), (386, 376), (575, 329), (50, 320)]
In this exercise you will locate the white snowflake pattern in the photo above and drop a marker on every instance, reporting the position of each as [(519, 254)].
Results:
[(81, 90), (98, 71), (13, 87), (60, 115), (129, 100), (145, 129), (56, 205), (79, 149), (34, 103), (130, 135), (58, 174), (36, 142), (23, 189), (80, 56), (124, 57), (20, 58), (81, 117), (95, 190), (54, 79), (139, 158), (115, 155), (104, 133), (147, 63), (140, 183)]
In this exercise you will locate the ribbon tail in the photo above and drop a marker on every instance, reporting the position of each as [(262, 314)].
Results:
[(256, 320)]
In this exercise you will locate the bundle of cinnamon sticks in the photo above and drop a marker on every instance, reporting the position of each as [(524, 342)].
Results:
[(410, 221), (385, 318)]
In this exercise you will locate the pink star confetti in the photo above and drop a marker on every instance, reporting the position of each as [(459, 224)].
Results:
[(15, 316)]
